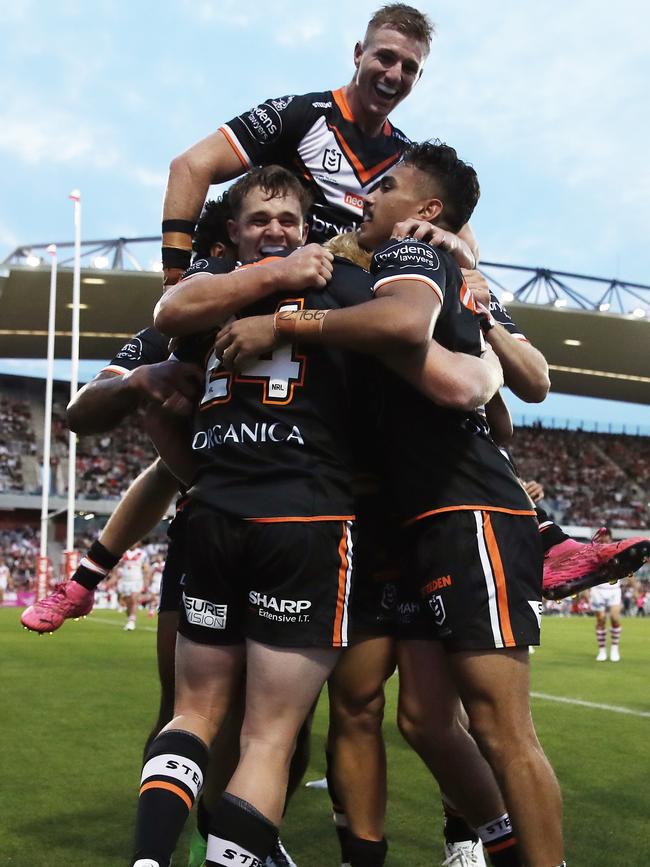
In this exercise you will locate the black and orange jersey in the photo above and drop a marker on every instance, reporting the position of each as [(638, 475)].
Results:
[(502, 317), (148, 346), (436, 459), (276, 437), (315, 136)]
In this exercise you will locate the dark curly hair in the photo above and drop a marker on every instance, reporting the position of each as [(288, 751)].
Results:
[(212, 227), (456, 181)]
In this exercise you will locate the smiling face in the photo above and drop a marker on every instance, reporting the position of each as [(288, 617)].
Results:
[(404, 193), (266, 225), (388, 66)]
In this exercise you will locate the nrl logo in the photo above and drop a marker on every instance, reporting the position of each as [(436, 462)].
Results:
[(332, 160), (437, 606)]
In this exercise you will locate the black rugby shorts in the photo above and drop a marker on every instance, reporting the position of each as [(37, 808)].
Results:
[(286, 584), (474, 580)]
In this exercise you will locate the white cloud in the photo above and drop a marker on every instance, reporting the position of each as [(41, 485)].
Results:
[(56, 137)]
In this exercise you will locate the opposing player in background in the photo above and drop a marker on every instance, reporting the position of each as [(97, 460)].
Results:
[(604, 600), (132, 575)]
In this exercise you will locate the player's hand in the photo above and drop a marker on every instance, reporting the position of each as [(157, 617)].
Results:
[(421, 230), (171, 276), (308, 267), (174, 385), (534, 490), (478, 286), (241, 341)]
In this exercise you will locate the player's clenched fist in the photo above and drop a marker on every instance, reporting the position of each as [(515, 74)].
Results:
[(307, 267), (478, 285)]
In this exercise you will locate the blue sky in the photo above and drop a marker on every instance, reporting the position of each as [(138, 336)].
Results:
[(543, 98)]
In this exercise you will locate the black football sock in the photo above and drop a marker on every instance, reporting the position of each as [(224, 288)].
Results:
[(366, 853), (338, 813), (500, 842), (95, 566), (202, 818), (457, 830), (550, 532), (172, 778), (239, 834)]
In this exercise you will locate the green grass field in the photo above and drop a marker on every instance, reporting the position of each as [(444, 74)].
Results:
[(76, 708)]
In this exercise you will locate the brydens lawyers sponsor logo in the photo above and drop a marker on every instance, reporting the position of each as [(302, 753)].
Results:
[(264, 123), (200, 612), (409, 252), (437, 584)]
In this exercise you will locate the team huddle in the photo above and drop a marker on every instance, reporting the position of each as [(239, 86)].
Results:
[(329, 418)]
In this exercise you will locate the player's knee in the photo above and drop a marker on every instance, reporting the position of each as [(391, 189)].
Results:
[(363, 711)]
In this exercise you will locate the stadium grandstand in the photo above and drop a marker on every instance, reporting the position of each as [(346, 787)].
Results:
[(593, 332)]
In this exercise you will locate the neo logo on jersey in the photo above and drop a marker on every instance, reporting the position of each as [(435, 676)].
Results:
[(332, 159), (200, 612)]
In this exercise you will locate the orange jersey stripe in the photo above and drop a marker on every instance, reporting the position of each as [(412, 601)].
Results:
[(365, 175), (525, 512), (500, 580), (342, 103), (242, 159), (170, 787), (337, 640), (298, 520)]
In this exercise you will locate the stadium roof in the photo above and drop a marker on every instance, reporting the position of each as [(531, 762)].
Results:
[(591, 350)]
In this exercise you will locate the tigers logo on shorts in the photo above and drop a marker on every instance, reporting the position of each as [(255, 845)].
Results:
[(437, 606)]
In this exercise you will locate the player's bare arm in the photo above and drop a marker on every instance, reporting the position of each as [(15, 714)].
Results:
[(110, 397), (171, 436), (401, 316), (500, 421), (525, 369), (462, 246), (210, 161), (452, 380), (204, 301)]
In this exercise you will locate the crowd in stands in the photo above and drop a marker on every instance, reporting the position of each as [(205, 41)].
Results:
[(16, 439), (19, 549), (589, 478)]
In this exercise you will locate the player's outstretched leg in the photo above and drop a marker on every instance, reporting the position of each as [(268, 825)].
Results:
[(74, 598), (572, 566)]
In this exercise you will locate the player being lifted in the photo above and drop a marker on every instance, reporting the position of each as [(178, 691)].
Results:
[(338, 142)]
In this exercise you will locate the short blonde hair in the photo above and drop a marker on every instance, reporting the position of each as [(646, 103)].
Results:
[(347, 247)]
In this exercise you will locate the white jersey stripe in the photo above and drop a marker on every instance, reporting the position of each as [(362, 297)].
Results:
[(490, 583), (348, 582)]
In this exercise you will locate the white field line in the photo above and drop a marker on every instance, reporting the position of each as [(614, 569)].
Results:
[(93, 619), (612, 708)]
